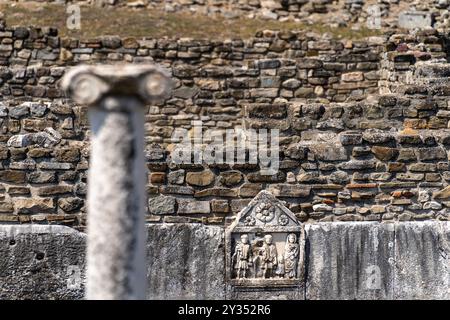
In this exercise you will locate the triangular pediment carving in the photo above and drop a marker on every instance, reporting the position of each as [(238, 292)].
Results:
[(265, 210)]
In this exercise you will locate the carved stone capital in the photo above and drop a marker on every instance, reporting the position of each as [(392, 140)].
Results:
[(90, 84)]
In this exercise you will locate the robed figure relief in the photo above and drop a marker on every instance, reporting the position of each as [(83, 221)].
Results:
[(242, 257), (291, 252)]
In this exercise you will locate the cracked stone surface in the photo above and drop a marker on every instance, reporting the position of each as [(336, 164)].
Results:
[(186, 261), (47, 138), (41, 262)]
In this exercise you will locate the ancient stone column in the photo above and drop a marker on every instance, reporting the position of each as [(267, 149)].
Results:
[(115, 96)]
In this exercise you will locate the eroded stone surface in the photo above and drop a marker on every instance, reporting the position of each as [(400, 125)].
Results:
[(185, 261), (344, 259), (41, 262), (422, 260)]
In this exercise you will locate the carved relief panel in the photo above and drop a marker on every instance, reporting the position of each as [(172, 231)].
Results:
[(265, 246)]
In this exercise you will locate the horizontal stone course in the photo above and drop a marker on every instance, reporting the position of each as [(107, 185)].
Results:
[(353, 130), (344, 260)]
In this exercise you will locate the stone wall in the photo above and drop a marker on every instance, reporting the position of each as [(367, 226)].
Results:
[(347, 152), (266, 9), (272, 9), (335, 13), (357, 260)]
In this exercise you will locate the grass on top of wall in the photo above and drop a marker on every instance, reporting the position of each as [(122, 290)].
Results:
[(96, 21)]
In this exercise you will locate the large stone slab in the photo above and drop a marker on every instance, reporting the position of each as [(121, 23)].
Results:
[(344, 260), (41, 262), (185, 261), (422, 260), (415, 19), (349, 260)]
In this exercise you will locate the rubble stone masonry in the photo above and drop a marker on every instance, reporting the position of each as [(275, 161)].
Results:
[(363, 125)]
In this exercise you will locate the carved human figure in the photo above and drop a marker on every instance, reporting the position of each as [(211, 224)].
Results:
[(291, 251), (269, 256), (280, 269), (242, 257)]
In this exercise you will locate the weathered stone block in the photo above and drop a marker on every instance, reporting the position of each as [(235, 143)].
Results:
[(377, 136), (220, 206), (250, 189), (296, 151), (19, 111), (415, 19), (70, 204), (230, 178), (162, 205), (6, 207), (275, 111), (434, 153), (54, 190), (289, 190), (442, 194), (345, 260), (350, 261), (34, 205), (268, 63), (12, 176), (185, 261), (41, 262), (176, 177), (67, 155), (201, 179), (329, 152), (422, 260), (191, 206), (353, 76), (258, 177), (350, 138), (384, 153), (357, 165), (41, 177)]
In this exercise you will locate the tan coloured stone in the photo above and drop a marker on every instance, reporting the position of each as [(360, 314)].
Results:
[(200, 179), (34, 205), (12, 176), (353, 77), (230, 178), (442, 194), (384, 153)]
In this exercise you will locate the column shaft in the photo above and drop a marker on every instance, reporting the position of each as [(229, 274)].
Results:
[(116, 201)]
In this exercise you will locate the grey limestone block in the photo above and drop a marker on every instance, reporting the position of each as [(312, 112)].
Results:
[(349, 260), (422, 260), (185, 261), (41, 262), (343, 260), (415, 19)]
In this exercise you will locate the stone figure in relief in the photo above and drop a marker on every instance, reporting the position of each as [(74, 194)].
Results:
[(280, 269), (291, 252), (269, 257), (257, 261), (242, 257)]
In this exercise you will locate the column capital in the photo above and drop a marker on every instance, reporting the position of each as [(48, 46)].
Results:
[(87, 84)]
